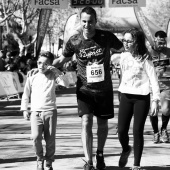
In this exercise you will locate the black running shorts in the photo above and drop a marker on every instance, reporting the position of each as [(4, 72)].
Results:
[(99, 104)]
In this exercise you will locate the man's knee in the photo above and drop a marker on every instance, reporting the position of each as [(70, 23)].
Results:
[(165, 103), (102, 123), (165, 111), (87, 121), (36, 137), (165, 108)]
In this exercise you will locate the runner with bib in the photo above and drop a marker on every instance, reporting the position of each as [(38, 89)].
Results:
[(94, 85)]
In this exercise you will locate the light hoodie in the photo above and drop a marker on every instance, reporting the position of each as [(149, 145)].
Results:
[(41, 88), (138, 77)]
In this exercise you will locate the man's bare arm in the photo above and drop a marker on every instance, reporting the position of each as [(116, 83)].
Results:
[(58, 62)]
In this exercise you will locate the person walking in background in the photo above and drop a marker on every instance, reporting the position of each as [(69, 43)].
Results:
[(138, 75), (94, 84), (41, 88), (161, 56), (2, 61)]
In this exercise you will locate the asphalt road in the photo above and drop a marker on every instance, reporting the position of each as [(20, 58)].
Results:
[(16, 152)]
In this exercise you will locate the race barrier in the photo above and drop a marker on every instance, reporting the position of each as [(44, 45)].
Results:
[(10, 85), (67, 80)]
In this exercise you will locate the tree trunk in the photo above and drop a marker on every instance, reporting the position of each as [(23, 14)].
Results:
[(7, 23)]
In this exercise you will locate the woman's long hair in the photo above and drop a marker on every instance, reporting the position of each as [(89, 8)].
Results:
[(139, 45)]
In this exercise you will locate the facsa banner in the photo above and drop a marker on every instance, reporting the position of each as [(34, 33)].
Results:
[(63, 4), (127, 3)]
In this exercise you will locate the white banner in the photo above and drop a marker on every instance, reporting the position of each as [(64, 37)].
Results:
[(9, 83), (63, 4), (67, 80), (2, 91), (72, 77), (127, 3)]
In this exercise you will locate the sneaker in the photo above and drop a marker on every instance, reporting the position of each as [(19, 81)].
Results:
[(100, 165), (124, 158), (164, 136), (88, 167), (48, 168), (136, 168), (40, 165), (156, 137)]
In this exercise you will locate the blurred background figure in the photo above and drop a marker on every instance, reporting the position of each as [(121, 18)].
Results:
[(2, 61)]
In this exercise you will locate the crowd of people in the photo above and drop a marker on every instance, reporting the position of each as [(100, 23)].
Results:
[(11, 61), (139, 91)]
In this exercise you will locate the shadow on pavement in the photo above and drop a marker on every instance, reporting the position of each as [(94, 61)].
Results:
[(29, 159), (142, 168), (13, 160), (116, 168), (66, 91), (11, 113), (156, 168)]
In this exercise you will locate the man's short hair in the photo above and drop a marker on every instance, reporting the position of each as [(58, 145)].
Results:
[(48, 55), (161, 34), (89, 10)]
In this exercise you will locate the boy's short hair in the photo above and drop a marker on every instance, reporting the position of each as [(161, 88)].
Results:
[(48, 55)]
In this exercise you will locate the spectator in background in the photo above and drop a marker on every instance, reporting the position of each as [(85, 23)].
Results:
[(60, 50), (160, 52), (30, 64), (8, 55), (8, 61), (2, 61), (22, 65)]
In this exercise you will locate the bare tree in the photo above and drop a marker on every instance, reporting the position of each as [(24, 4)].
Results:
[(57, 22), (20, 20)]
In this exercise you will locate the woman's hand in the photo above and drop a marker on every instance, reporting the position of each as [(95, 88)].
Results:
[(26, 115), (154, 108)]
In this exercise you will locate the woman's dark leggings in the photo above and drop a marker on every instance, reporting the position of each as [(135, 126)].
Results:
[(137, 105)]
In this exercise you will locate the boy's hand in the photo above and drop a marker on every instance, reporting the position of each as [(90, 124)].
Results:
[(26, 115), (32, 72)]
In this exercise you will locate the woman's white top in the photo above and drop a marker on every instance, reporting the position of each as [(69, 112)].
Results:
[(138, 77)]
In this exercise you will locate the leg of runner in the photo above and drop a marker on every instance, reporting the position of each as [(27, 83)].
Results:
[(102, 133), (87, 136)]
